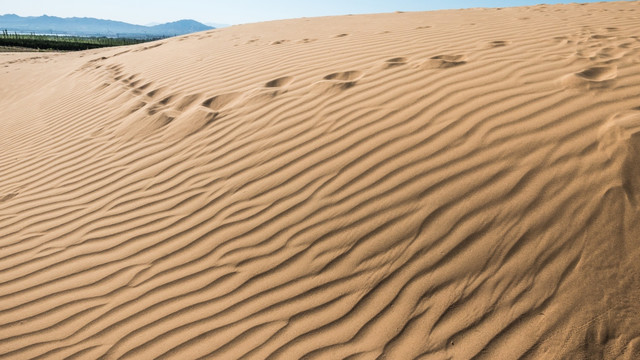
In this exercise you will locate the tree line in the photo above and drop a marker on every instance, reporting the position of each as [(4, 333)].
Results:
[(64, 43)]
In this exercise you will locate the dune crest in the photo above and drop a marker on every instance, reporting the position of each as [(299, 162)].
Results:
[(439, 185)]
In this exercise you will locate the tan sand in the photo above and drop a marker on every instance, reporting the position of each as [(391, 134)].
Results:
[(439, 185)]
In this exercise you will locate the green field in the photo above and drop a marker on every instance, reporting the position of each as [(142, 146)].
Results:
[(63, 43)]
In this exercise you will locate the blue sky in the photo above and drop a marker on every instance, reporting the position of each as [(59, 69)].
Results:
[(235, 11)]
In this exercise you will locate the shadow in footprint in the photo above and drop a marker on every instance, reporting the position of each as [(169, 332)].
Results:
[(140, 125), (498, 43), (443, 62), (270, 89), (222, 101), (7, 197), (279, 82), (344, 76), (393, 62), (595, 77), (598, 73), (189, 122), (186, 101), (336, 82)]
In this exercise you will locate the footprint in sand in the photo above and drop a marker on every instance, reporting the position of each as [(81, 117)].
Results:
[(121, 53), (393, 62), (138, 89), (498, 43), (149, 47), (610, 54), (134, 83), (144, 86), (267, 91), (336, 82), (135, 107), (279, 82), (598, 73), (130, 79), (9, 196), (184, 102), (223, 101), (352, 75), (270, 89), (174, 115), (189, 122), (103, 86), (167, 99), (601, 37), (141, 125), (153, 93), (443, 62), (595, 77), (160, 105)]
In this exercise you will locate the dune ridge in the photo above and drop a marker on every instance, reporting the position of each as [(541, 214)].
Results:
[(440, 185)]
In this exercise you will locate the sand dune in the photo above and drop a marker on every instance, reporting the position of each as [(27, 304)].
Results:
[(440, 185)]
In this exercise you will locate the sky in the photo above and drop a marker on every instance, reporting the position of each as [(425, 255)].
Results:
[(144, 12)]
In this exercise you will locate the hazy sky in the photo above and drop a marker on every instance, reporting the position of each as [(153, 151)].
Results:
[(235, 11)]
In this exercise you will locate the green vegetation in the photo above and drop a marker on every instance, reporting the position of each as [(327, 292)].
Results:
[(63, 43)]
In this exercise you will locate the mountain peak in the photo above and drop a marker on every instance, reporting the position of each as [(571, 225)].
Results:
[(97, 27)]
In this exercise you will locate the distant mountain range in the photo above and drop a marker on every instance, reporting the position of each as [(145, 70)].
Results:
[(95, 27)]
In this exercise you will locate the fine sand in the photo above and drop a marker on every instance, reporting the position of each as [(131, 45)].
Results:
[(438, 185)]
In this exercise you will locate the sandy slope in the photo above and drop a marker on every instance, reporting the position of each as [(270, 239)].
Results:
[(442, 185)]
